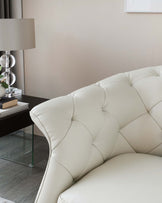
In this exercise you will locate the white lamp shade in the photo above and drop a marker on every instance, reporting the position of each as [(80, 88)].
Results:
[(17, 34)]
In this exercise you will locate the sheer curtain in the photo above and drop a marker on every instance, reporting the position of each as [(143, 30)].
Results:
[(13, 9)]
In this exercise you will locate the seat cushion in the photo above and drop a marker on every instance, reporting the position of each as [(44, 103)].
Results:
[(128, 178)]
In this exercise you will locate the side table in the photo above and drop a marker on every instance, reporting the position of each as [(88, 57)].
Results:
[(11, 126)]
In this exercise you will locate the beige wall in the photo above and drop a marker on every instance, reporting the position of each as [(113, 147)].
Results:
[(82, 41)]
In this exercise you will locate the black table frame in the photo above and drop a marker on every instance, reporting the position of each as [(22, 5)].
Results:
[(21, 119)]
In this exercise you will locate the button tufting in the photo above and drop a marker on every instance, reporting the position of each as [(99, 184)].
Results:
[(130, 83), (148, 111), (103, 109)]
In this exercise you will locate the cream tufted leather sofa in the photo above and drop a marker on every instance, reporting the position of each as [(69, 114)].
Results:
[(105, 141)]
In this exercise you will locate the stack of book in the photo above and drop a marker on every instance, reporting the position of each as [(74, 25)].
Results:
[(10, 106), (6, 102)]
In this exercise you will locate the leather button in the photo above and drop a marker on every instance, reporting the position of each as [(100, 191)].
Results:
[(72, 119), (103, 109)]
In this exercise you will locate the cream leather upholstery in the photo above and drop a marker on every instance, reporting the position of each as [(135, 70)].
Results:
[(128, 178), (118, 115)]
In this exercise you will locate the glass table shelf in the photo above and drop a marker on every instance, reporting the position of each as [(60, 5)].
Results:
[(18, 146)]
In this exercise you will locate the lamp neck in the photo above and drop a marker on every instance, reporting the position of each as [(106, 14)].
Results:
[(7, 52)]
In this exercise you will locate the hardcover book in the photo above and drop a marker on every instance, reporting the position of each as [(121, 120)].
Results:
[(7, 102)]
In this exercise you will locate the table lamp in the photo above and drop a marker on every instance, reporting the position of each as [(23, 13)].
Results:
[(15, 34)]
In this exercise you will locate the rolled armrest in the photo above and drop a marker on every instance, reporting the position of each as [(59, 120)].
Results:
[(76, 128)]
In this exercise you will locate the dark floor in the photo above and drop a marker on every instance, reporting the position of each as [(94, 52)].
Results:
[(20, 183)]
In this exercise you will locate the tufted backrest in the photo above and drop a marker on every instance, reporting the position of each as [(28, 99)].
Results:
[(120, 114)]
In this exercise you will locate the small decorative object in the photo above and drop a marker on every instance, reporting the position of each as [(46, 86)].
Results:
[(3, 85), (143, 6), (15, 34)]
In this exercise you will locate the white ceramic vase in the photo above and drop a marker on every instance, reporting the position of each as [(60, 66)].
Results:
[(2, 91)]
